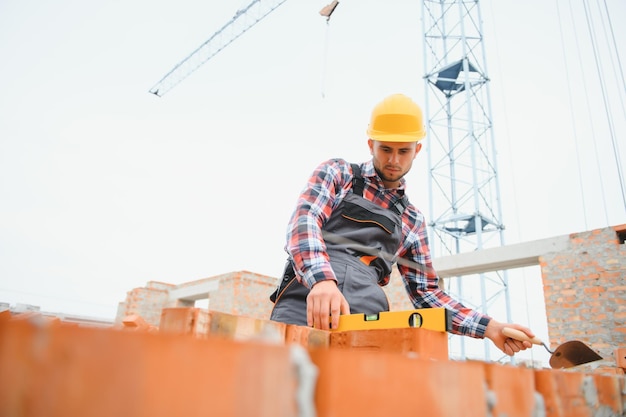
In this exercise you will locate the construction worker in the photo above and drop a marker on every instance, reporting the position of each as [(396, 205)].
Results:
[(352, 222)]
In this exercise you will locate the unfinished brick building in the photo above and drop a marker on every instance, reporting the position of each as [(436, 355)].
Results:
[(584, 281)]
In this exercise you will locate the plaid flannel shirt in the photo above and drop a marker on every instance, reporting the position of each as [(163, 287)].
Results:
[(329, 183)]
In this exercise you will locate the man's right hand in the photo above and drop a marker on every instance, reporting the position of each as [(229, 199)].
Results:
[(324, 304)]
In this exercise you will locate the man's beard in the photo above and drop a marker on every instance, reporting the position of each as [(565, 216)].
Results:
[(386, 178)]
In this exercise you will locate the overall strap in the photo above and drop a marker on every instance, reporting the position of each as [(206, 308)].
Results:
[(358, 183), (400, 205)]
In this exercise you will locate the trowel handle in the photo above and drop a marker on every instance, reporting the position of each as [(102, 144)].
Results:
[(520, 335)]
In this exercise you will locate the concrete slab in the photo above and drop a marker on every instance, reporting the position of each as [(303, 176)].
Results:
[(499, 258)]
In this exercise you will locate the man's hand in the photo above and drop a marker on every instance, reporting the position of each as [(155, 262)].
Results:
[(325, 303), (504, 343)]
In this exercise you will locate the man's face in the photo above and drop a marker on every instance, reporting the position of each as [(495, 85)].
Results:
[(392, 160)]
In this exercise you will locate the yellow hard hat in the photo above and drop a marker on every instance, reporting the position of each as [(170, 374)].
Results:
[(396, 119)]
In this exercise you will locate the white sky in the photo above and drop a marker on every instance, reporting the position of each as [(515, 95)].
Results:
[(104, 186)]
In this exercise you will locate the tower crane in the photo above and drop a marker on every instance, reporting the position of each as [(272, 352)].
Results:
[(243, 20)]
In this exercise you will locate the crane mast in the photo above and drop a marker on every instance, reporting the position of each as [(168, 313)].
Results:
[(243, 20), (464, 193)]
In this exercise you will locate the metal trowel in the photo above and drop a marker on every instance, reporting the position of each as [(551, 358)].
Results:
[(566, 355)]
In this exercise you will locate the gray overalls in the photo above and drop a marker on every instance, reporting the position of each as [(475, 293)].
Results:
[(361, 241)]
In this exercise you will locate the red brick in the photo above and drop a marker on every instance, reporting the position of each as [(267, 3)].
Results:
[(565, 393), (514, 390), (620, 357), (365, 383), (426, 344), (5, 315), (135, 322), (609, 393), (307, 337), (202, 323), (68, 371), (245, 328), (183, 320)]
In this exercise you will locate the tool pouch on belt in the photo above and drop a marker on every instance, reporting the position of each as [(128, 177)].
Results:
[(288, 275)]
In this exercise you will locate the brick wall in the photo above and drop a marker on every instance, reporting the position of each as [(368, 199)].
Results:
[(241, 293), (142, 301), (202, 363), (585, 290), (245, 294)]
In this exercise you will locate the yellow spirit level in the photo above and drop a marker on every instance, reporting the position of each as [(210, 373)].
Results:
[(438, 319)]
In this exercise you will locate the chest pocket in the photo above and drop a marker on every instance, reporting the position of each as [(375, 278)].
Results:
[(365, 217)]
